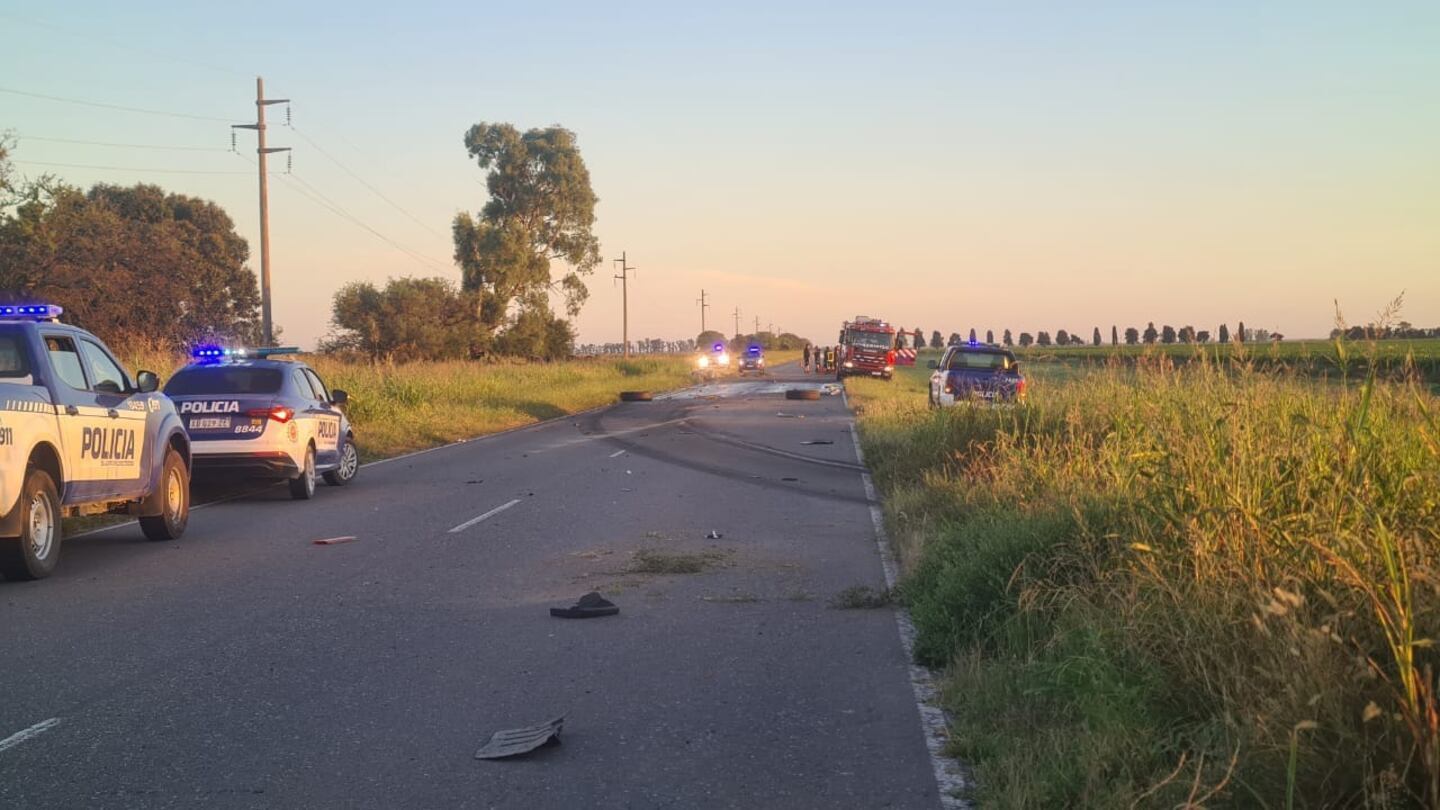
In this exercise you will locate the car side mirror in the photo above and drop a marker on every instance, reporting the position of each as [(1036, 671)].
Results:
[(147, 382), (338, 396), (108, 387), (932, 365)]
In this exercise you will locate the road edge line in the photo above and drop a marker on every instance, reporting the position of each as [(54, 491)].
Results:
[(949, 778), (25, 734)]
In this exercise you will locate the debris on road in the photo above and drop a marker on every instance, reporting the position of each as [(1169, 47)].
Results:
[(802, 393), (515, 741), (832, 389), (714, 535), (476, 481), (818, 441), (333, 541), (636, 396), (790, 415), (589, 606), (789, 479)]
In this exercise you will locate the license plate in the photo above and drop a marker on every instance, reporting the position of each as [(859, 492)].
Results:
[(210, 423), (987, 394)]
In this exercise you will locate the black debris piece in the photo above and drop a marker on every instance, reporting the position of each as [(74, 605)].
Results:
[(789, 479), (590, 606), (818, 441), (515, 741), (476, 481)]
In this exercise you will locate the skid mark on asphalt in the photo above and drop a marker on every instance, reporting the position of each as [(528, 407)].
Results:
[(492, 513), (33, 731)]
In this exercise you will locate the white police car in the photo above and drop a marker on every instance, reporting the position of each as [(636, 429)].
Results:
[(250, 415), (79, 436)]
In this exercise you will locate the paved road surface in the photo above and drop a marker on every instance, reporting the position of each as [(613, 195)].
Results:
[(245, 666)]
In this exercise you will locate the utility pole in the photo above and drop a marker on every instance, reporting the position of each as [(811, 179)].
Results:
[(266, 323), (757, 324), (737, 321), (624, 277), (703, 306)]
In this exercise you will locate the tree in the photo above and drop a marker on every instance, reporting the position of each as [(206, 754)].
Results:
[(1026, 339), (1203, 336), (990, 336), (1132, 336), (918, 338), (409, 319), (541, 209), (1167, 334), (972, 335), (955, 339), (1043, 339), (1007, 339), (1114, 335), (1150, 333), (1095, 339), (1062, 337), (1187, 334), (136, 264), (1240, 333), (936, 342), (1224, 333), (900, 339), (708, 338)]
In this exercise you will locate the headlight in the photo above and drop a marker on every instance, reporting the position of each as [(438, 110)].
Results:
[(889, 368), (704, 361), (849, 364), (760, 361), (724, 358)]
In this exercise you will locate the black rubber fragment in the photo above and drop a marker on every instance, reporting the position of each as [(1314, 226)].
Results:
[(590, 606), (636, 396), (802, 393)]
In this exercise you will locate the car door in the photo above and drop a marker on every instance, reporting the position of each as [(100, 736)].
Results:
[(83, 422), (123, 454), (937, 377), (327, 429)]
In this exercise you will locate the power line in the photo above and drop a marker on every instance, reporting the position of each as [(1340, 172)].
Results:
[(24, 137), (119, 168), (118, 45), (377, 192), (104, 106)]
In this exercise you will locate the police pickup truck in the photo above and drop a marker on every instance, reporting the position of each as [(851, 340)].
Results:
[(79, 436), (976, 373)]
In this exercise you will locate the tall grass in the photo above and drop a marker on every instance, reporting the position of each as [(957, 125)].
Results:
[(1170, 586)]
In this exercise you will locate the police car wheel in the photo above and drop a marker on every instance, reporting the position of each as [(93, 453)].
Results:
[(175, 501), (349, 465), (35, 552), (302, 486)]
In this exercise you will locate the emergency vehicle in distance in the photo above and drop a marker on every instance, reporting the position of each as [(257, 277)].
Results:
[(867, 346), (78, 436), (249, 415), (711, 364), (976, 373)]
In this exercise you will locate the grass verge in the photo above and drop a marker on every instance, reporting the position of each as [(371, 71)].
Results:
[(1175, 586)]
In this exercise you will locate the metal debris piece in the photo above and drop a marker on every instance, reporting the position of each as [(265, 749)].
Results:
[(476, 481), (589, 606), (818, 441), (515, 741), (791, 415), (789, 479), (714, 535), (334, 541)]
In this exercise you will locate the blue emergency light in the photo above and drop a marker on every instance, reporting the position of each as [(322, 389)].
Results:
[(754, 349), (719, 347), (30, 312), (210, 353)]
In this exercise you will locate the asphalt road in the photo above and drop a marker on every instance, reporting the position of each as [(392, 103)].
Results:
[(246, 666)]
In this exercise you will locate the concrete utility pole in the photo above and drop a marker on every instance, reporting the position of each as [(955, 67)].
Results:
[(737, 321), (703, 306), (624, 277), (266, 323), (757, 324)]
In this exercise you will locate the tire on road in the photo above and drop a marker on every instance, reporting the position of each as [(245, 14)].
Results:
[(802, 393), (349, 464), (174, 501), (302, 486), (34, 554), (636, 396)]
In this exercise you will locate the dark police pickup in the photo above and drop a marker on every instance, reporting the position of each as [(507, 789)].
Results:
[(79, 436), (976, 373)]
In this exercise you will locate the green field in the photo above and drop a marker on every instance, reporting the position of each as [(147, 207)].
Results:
[(1163, 584)]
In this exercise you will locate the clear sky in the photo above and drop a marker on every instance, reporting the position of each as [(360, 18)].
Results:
[(1023, 165)]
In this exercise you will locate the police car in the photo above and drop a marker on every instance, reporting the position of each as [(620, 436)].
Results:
[(976, 373), (250, 415), (713, 363), (78, 435)]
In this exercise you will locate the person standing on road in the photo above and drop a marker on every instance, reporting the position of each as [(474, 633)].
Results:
[(807, 358)]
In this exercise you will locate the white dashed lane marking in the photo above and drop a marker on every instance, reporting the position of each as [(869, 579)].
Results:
[(492, 513), (617, 454), (33, 731)]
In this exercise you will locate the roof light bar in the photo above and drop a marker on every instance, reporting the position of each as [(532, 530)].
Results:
[(30, 312), (214, 354)]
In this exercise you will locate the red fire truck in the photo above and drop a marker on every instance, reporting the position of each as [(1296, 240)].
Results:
[(867, 346)]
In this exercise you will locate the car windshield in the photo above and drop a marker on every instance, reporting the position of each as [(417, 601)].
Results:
[(993, 361), (871, 340), (224, 380)]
